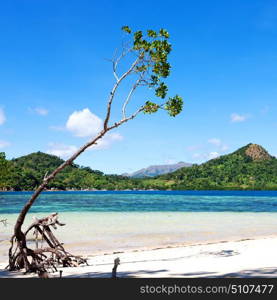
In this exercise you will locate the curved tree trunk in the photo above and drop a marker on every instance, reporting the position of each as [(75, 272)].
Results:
[(18, 258), (19, 237), (145, 66)]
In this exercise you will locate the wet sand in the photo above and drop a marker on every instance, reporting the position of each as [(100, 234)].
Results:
[(92, 233)]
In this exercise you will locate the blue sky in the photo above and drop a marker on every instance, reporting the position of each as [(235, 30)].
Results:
[(54, 64)]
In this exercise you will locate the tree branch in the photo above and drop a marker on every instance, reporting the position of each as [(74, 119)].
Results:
[(149, 63), (114, 71), (114, 90), (46, 180), (130, 95), (124, 120), (24, 211)]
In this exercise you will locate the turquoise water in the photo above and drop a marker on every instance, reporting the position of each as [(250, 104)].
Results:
[(104, 222), (144, 201)]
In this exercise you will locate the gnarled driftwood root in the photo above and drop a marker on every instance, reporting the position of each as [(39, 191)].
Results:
[(43, 258)]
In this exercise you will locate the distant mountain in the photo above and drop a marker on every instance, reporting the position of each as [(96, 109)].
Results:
[(156, 170), (250, 167)]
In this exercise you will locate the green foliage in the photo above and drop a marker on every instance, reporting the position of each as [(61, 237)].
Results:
[(150, 107), (174, 105), (27, 172), (236, 171), (152, 33), (4, 170), (152, 50), (164, 33), (161, 90), (126, 29)]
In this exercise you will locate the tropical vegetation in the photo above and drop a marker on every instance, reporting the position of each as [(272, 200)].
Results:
[(250, 168)]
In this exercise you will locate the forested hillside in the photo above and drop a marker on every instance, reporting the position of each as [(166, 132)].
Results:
[(27, 172), (250, 167)]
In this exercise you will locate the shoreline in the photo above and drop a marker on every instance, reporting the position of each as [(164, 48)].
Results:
[(178, 245), (146, 190), (103, 233), (239, 258), (99, 253)]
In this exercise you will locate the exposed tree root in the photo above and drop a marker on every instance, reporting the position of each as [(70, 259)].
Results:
[(43, 258), (4, 222)]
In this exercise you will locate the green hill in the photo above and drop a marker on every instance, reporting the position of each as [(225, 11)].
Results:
[(27, 172), (250, 167)]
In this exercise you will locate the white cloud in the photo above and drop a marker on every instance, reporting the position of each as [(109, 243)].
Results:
[(84, 123), (224, 148), (236, 118), (106, 141), (218, 143), (2, 117), (213, 155), (206, 156), (4, 144), (65, 151), (61, 150), (215, 141), (41, 111), (210, 152)]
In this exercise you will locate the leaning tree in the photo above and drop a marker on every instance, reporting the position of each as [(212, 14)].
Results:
[(146, 54)]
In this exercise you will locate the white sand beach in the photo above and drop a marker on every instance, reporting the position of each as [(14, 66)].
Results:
[(243, 258), (163, 244), (96, 233)]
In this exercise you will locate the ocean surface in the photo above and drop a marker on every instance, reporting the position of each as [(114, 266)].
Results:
[(143, 201), (112, 221)]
